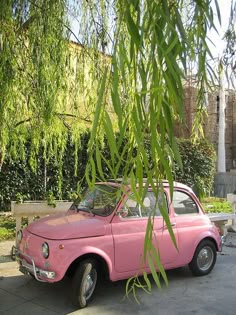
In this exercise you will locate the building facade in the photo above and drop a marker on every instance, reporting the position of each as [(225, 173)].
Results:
[(211, 121)]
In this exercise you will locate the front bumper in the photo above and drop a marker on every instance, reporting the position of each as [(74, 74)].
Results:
[(223, 237), (30, 268)]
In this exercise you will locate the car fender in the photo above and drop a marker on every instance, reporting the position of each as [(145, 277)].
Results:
[(201, 237), (87, 250), (91, 250)]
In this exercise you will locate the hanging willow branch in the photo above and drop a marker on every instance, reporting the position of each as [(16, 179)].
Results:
[(126, 77)]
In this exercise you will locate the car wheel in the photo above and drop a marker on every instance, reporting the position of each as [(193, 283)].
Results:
[(84, 283), (204, 258)]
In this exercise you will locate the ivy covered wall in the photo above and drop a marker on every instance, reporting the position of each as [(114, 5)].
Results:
[(18, 181)]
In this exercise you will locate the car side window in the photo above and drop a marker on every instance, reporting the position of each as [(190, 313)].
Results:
[(130, 208), (183, 203), (150, 206)]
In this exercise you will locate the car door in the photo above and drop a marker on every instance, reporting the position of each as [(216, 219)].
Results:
[(129, 228), (189, 220)]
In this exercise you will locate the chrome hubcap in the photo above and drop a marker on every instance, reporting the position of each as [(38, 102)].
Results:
[(89, 282), (205, 258)]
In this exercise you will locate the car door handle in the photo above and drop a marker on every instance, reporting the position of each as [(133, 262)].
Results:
[(172, 224)]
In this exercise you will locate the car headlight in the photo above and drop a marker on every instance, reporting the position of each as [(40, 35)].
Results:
[(45, 250), (19, 236)]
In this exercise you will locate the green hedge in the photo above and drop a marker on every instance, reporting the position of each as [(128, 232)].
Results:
[(198, 166), (18, 180)]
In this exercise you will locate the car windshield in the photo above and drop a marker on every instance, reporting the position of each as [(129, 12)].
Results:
[(100, 201)]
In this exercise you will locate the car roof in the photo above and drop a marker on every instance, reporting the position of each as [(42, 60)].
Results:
[(119, 181)]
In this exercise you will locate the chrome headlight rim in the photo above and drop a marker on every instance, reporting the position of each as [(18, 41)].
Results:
[(45, 250)]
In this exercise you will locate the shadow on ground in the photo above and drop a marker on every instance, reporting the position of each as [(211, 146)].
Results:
[(212, 294)]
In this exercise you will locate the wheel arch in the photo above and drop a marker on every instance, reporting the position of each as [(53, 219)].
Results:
[(209, 238), (206, 238), (102, 264), (202, 264)]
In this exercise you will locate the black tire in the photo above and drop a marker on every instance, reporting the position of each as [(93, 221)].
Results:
[(84, 283), (204, 258)]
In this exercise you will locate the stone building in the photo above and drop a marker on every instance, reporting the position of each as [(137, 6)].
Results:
[(212, 126), (211, 121)]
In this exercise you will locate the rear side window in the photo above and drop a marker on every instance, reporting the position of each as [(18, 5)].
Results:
[(183, 203)]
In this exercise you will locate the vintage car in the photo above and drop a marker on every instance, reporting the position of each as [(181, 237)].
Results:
[(103, 234)]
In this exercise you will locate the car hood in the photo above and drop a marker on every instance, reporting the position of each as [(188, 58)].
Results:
[(68, 226)]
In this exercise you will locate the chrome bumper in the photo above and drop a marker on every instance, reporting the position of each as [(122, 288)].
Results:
[(223, 240), (30, 268)]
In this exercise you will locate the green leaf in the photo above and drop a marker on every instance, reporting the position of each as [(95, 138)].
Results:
[(157, 260), (138, 198), (133, 29), (153, 271), (147, 281), (128, 286), (110, 136), (98, 109), (117, 106), (164, 213), (99, 162), (148, 238), (172, 45)]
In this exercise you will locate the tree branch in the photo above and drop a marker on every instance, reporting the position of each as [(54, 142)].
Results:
[(60, 115)]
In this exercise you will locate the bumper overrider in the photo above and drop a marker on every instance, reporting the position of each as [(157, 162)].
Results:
[(223, 240), (30, 268)]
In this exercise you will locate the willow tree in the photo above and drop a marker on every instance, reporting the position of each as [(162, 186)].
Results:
[(138, 92), (32, 70)]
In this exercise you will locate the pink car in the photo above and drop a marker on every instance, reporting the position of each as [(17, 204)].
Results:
[(103, 234)]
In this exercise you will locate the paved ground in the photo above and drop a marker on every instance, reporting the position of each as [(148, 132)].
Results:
[(212, 294)]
